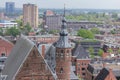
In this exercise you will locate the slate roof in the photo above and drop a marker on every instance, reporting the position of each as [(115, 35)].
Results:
[(18, 55), (50, 58), (102, 75), (63, 40), (72, 75), (80, 53), (93, 70)]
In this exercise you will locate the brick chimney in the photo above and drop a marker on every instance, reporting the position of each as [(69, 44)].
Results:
[(43, 50), (104, 64)]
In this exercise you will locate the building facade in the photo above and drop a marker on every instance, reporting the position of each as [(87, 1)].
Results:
[(10, 8), (30, 15), (5, 47)]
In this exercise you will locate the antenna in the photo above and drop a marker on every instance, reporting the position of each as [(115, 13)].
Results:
[(64, 11)]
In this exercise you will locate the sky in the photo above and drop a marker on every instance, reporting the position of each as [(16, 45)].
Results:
[(80, 4)]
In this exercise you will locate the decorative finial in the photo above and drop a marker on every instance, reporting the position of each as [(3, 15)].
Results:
[(64, 11)]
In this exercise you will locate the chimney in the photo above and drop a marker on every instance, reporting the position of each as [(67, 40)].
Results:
[(104, 64), (43, 50)]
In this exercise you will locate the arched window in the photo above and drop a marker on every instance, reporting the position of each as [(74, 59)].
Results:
[(61, 70)]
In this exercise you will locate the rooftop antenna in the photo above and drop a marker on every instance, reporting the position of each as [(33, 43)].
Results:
[(64, 11)]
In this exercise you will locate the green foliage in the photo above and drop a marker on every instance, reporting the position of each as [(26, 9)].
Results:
[(85, 34), (95, 31), (13, 31), (100, 52), (53, 31), (110, 50), (91, 16), (20, 22), (113, 31), (26, 29), (1, 32), (118, 51), (91, 51)]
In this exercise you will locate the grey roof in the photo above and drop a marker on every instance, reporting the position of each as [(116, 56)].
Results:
[(50, 58), (116, 73), (63, 40), (80, 53), (102, 75), (93, 70), (17, 57), (72, 75)]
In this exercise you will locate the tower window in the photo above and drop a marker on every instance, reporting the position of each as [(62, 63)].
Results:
[(61, 51), (3, 54), (61, 70), (67, 51), (61, 55)]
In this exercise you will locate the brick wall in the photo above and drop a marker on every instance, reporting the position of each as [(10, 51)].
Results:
[(5, 47), (34, 68), (81, 65)]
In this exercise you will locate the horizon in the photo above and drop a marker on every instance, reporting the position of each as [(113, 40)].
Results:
[(78, 4)]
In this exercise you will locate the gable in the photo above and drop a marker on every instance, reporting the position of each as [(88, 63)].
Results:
[(34, 67)]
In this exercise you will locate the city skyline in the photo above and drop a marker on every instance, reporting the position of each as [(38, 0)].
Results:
[(84, 4)]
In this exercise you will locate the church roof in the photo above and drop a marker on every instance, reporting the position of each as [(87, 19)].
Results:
[(103, 74), (17, 57)]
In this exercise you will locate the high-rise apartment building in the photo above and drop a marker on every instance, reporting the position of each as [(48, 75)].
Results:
[(30, 15), (10, 8)]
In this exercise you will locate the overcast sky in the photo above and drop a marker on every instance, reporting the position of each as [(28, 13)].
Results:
[(89, 4)]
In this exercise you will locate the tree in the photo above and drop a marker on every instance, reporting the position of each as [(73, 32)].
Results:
[(85, 33), (91, 51), (118, 51), (95, 31), (1, 32), (26, 29), (13, 31), (53, 31), (100, 52), (110, 50)]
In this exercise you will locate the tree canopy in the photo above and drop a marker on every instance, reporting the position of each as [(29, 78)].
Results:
[(95, 31), (100, 52), (1, 31), (13, 31), (85, 34)]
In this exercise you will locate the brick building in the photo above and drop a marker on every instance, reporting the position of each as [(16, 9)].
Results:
[(26, 63), (109, 70), (80, 61), (52, 62), (5, 47)]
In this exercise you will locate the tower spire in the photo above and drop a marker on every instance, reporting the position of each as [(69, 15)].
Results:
[(64, 11), (63, 41)]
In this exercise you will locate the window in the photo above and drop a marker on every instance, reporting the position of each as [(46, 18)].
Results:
[(83, 68), (61, 70), (62, 51), (3, 54), (67, 51), (83, 74), (61, 55)]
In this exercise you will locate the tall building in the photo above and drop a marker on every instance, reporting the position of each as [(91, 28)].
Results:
[(10, 8), (63, 54), (30, 15)]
